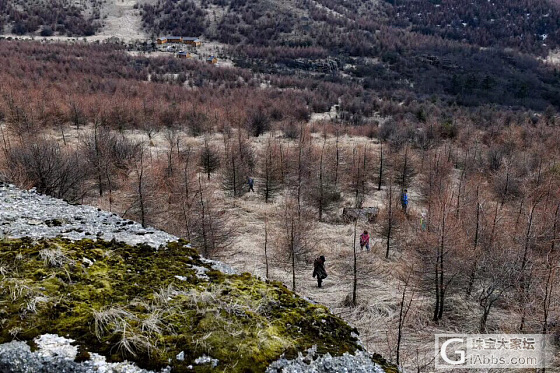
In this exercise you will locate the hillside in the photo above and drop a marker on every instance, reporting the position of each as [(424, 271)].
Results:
[(351, 26), (47, 18), (528, 26), (327, 106), (157, 307), (467, 54), (417, 50)]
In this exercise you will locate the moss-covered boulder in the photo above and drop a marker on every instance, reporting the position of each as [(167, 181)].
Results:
[(159, 308)]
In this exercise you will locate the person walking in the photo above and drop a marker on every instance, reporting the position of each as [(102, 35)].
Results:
[(319, 270), (404, 200), (364, 240), (251, 183)]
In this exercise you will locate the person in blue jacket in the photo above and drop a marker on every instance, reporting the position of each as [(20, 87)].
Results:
[(404, 200)]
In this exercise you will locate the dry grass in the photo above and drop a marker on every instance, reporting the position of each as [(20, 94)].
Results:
[(54, 257), (106, 320), (379, 280)]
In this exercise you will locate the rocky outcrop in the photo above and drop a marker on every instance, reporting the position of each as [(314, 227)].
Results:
[(28, 214)]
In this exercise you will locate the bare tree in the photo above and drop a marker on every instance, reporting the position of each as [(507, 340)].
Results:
[(52, 170), (404, 307), (141, 186), (188, 191), (77, 115), (355, 267), (172, 139), (293, 241), (405, 169), (358, 176), (337, 159), (237, 165), (389, 221), (210, 231), (323, 192), (266, 245), (380, 178), (209, 159), (498, 271), (270, 173), (476, 239), (108, 156)]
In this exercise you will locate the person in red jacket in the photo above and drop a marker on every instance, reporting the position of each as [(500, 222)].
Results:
[(364, 240)]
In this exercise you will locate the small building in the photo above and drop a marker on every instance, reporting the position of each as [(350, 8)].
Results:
[(212, 60), (161, 40), (192, 41), (183, 55), (174, 39)]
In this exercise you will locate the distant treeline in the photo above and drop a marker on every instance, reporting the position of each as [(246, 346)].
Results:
[(54, 84)]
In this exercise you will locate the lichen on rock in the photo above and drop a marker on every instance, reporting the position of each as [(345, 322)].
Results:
[(150, 306)]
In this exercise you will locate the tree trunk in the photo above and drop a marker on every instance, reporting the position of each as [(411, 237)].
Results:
[(389, 220), (355, 284), (141, 191), (265, 246), (321, 189), (441, 272), (293, 251), (234, 170), (492, 233), (203, 212), (337, 161), (403, 178), (475, 246), (402, 317), (380, 168)]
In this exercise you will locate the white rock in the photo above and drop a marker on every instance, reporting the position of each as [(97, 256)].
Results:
[(51, 345)]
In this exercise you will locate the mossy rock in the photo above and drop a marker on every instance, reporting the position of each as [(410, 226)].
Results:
[(144, 305)]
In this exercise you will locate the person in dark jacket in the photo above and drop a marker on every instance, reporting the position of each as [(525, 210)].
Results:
[(319, 270), (251, 183)]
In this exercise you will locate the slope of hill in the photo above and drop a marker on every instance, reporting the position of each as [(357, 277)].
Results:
[(389, 49), (528, 26), (352, 25), (50, 17), (415, 50), (160, 308)]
